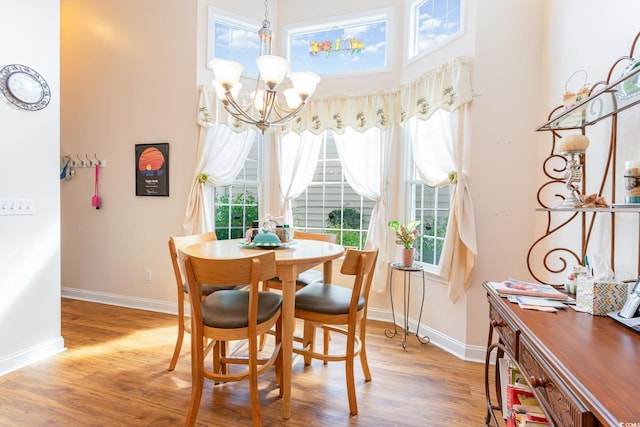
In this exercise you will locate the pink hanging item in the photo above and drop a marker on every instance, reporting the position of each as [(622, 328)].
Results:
[(95, 200)]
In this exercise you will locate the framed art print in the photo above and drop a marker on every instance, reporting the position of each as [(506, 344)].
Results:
[(152, 169)]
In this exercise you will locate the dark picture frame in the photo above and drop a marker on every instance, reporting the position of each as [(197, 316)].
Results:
[(152, 169)]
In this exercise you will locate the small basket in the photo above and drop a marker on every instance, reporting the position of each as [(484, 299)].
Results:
[(570, 98)]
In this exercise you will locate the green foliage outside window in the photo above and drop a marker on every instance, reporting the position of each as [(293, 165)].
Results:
[(346, 224), (432, 240), (234, 216)]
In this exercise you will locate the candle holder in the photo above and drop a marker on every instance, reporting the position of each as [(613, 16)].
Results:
[(632, 182), (573, 146), (573, 178)]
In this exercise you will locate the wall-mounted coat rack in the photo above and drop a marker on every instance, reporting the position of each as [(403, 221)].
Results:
[(69, 163), (77, 161)]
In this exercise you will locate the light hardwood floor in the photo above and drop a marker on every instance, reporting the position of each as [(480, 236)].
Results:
[(114, 373)]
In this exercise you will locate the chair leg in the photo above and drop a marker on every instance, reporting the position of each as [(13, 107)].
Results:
[(253, 381), (279, 359), (326, 337), (176, 351), (217, 353), (197, 380), (263, 337), (224, 352), (263, 340), (349, 363), (363, 350), (308, 340)]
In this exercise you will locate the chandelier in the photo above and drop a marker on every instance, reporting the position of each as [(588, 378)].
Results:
[(263, 109)]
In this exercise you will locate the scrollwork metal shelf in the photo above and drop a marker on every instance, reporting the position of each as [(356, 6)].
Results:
[(599, 105), (605, 101)]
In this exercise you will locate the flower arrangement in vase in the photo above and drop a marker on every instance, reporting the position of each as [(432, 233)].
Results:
[(406, 235)]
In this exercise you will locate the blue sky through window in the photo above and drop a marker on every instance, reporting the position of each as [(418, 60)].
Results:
[(339, 49), (437, 21), (349, 46), (237, 42)]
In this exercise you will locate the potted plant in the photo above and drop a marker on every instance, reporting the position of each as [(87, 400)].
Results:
[(406, 235)]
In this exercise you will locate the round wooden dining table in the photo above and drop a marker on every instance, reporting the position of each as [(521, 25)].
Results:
[(291, 260)]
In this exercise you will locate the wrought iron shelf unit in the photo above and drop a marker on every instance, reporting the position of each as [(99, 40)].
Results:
[(599, 105), (606, 100)]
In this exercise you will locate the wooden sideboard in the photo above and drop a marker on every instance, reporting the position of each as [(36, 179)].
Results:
[(584, 369)]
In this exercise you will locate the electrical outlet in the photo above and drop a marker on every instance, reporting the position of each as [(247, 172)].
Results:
[(147, 274)]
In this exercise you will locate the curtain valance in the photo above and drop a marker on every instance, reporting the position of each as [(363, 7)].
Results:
[(445, 87)]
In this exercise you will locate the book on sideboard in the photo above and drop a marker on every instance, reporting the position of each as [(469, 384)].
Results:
[(520, 406)]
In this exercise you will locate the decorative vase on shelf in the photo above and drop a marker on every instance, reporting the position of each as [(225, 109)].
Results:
[(408, 256)]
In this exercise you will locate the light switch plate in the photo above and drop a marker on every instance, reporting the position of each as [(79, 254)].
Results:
[(17, 207)]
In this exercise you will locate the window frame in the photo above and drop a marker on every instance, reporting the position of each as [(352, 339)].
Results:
[(411, 50), (413, 214), (374, 16), (362, 232), (259, 143), (214, 16)]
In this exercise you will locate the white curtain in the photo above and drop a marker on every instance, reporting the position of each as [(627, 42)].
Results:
[(221, 154), (432, 148), (437, 146), (297, 157), (365, 161)]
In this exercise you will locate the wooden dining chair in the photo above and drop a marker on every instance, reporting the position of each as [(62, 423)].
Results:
[(230, 315), (308, 276), (175, 244), (341, 310)]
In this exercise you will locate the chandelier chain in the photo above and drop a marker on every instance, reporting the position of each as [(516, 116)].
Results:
[(266, 23)]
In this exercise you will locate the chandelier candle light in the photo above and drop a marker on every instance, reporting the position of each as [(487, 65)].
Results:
[(272, 70)]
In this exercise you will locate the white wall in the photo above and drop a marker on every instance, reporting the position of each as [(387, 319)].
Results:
[(128, 77), (505, 112), (29, 169)]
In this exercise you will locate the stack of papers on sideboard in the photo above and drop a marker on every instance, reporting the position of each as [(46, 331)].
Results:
[(518, 287), (540, 304)]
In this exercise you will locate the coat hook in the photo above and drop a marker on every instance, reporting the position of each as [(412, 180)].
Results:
[(98, 161), (80, 162), (64, 166), (89, 162)]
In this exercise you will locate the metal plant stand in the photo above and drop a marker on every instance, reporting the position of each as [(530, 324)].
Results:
[(407, 271)]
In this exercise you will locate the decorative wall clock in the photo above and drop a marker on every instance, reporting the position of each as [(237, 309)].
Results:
[(24, 88)]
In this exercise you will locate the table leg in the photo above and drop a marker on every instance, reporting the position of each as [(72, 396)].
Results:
[(327, 271)]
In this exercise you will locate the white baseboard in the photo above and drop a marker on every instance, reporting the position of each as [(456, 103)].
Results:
[(15, 361), (459, 349), (121, 300), (455, 347)]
